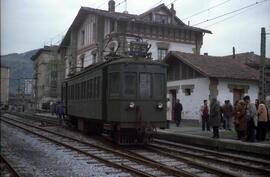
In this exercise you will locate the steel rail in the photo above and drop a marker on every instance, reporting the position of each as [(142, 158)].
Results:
[(218, 160), (164, 168), (34, 118), (11, 169), (129, 169), (201, 166), (223, 155)]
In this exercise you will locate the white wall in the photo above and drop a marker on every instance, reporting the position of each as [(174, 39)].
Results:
[(174, 46), (225, 94), (191, 104), (87, 26)]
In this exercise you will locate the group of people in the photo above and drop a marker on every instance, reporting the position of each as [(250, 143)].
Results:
[(250, 120), (58, 109), (177, 112)]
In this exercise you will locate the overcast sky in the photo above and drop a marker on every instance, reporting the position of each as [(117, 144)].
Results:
[(29, 24)]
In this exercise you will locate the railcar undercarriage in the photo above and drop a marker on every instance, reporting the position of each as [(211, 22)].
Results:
[(136, 135)]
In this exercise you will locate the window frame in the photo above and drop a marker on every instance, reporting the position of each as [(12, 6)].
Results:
[(119, 87), (151, 85), (125, 84), (160, 53)]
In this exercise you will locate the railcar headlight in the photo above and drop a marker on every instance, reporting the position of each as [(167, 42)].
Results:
[(159, 105), (132, 105)]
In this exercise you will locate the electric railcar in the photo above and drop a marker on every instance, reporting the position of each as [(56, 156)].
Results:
[(123, 97)]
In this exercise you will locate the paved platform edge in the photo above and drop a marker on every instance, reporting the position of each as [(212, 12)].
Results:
[(221, 144)]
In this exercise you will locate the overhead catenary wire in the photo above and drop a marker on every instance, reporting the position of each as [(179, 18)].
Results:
[(171, 3), (156, 3), (120, 3), (205, 10), (102, 4), (231, 12), (227, 18)]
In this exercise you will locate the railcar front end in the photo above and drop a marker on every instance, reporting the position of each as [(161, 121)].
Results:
[(136, 100)]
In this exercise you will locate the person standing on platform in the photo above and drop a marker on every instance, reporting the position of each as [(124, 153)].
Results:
[(205, 116), (240, 121), (251, 116), (169, 112), (262, 121), (215, 117), (178, 108), (227, 111), (60, 112)]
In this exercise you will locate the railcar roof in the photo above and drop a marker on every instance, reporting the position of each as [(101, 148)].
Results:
[(134, 60), (139, 60)]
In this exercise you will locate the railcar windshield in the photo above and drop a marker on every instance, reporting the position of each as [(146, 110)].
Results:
[(114, 86), (130, 84), (145, 85), (158, 85)]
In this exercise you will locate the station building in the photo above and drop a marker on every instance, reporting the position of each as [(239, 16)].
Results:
[(193, 78)]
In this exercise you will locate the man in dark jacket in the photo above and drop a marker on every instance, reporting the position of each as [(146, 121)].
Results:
[(215, 117), (177, 112), (251, 119), (60, 112), (227, 111)]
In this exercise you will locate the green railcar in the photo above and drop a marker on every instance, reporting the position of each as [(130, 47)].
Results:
[(124, 97)]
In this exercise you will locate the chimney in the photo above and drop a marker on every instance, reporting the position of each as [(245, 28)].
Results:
[(205, 54), (172, 9), (173, 13), (233, 51), (111, 6)]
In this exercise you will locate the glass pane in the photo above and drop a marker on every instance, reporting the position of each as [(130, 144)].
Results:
[(114, 80), (98, 87), (91, 88), (145, 85), (158, 85), (94, 87), (130, 84)]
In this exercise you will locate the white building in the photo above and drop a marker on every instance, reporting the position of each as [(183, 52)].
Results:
[(194, 78), (84, 42)]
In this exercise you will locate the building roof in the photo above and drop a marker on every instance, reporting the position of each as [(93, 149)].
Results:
[(45, 49), (215, 66), (84, 11), (249, 58)]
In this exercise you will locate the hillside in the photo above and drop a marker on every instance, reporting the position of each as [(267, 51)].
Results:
[(20, 66)]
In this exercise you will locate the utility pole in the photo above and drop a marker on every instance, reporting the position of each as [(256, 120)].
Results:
[(262, 83)]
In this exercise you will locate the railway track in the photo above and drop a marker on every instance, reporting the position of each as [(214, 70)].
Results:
[(45, 121), (6, 168), (212, 161), (185, 159), (111, 157)]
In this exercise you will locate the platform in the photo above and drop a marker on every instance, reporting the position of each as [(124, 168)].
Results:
[(193, 135)]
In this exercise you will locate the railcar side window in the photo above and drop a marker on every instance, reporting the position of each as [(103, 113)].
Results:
[(91, 88), (145, 85), (88, 89), (72, 92), (95, 87), (98, 86), (78, 91), (158, 85), (114, 79), (130, 85)]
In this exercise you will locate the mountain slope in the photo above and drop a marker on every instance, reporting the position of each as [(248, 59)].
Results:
[(20, 66)]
